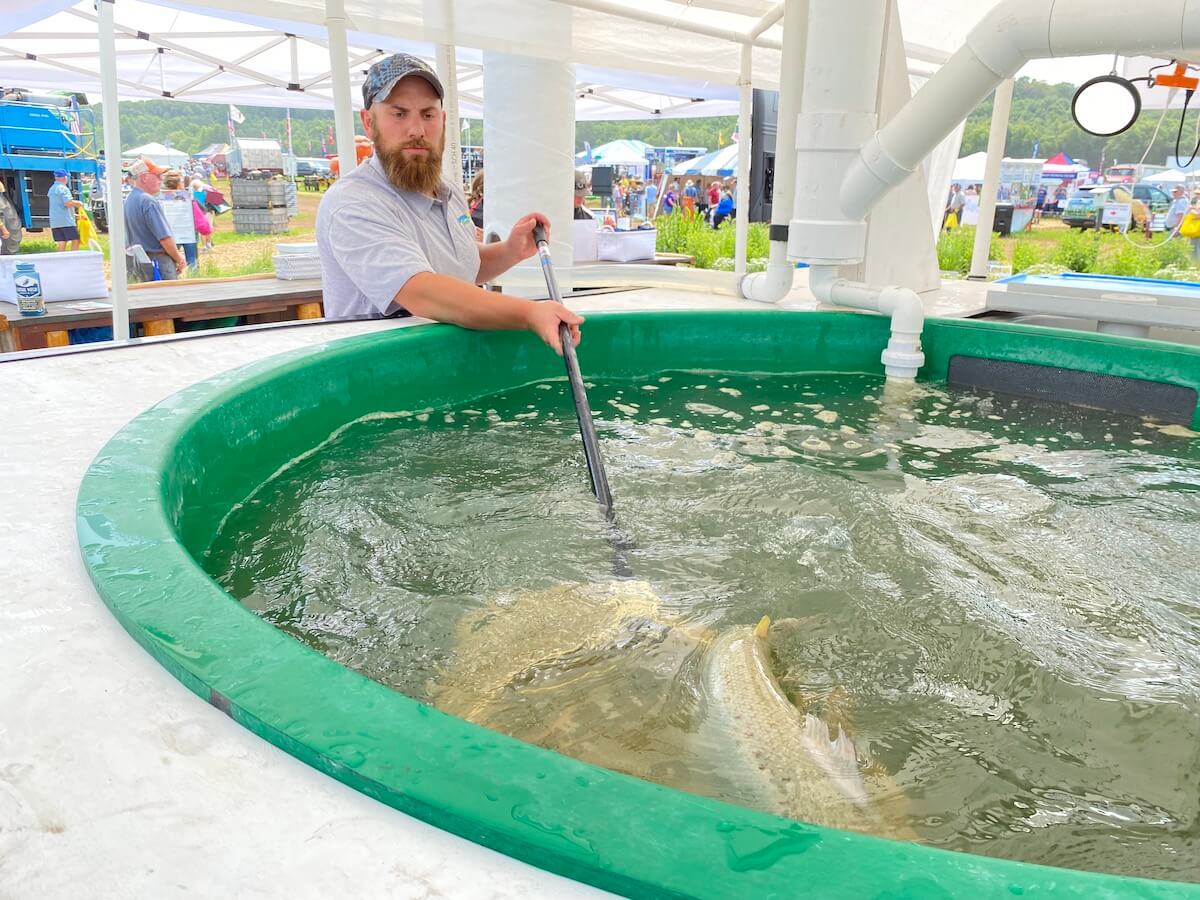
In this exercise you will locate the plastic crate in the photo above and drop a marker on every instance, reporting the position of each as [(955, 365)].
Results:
[(296, 265), (258, 193), (260, 221)]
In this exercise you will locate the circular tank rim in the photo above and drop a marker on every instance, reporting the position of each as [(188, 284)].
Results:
[(593, 825)]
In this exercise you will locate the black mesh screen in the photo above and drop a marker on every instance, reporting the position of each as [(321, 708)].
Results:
[(1128, 396)]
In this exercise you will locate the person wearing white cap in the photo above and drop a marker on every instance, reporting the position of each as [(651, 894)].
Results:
[(396, 239)]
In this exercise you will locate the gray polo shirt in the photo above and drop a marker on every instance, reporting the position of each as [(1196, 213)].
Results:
[(373, 237), (145, 222)]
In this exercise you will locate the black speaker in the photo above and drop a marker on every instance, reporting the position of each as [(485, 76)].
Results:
[(764, 119), (602, 180)]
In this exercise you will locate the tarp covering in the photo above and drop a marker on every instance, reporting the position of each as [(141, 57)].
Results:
[(719, 163), (615, 153)]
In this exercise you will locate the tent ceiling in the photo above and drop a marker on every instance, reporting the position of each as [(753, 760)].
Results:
[(215, 51)]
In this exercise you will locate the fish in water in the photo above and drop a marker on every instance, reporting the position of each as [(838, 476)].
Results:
[(498, 645), (787, 762)]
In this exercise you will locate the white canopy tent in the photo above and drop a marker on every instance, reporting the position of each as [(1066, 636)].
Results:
[(969, 169), (157, 153)]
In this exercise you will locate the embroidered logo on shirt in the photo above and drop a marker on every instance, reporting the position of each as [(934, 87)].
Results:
[(464, 219)]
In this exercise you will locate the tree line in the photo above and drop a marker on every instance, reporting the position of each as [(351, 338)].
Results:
[(1040, 125)]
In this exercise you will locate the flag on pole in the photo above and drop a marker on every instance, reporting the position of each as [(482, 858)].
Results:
[(720, 139), (734, 137), (332, 139), (235, 115), (678, 138)]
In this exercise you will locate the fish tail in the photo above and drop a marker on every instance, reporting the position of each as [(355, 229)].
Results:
[(838, 757)]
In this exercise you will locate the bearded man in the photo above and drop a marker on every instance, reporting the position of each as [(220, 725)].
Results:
[(396, 239)]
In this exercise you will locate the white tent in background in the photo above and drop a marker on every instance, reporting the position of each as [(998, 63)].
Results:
[(1170, 176), (616, 153), (156, 153), (969, 169)]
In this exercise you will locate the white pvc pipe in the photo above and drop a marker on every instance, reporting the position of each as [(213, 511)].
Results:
[(112, 161), (839, 113), (773, 285), (339, 73), (902, 357), (997, 137), (1014, 32), (529, 132), (741, 225), (447, 64)]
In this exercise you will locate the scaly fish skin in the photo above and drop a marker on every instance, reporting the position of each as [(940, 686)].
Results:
[(787, 759)]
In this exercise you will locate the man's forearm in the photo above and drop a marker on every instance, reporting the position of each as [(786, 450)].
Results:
[(447, 299), (494, 259)]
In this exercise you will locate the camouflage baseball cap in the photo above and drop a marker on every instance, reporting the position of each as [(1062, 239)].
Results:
[(382, 76)]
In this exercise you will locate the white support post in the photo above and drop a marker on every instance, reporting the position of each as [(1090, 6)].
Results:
[(529, 132), (447, 65), (112, 161), (339, 73), (745, 128), (997, 137)]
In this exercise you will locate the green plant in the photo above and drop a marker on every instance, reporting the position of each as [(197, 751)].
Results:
[(956, 246), (692, 236), (1077, 252), (1026, 253)]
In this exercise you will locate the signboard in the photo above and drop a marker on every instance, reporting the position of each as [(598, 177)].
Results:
[(179, 218), (1119, 214)]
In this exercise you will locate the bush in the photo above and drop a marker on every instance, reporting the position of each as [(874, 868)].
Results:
[(1026, 254), (1077, 252), (955, 247), (691, 235), (1134, 261)]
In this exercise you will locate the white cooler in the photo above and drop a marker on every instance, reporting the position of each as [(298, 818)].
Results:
[(70, 275), (625, 246)]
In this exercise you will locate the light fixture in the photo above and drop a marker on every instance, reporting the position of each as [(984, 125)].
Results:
[(1106, 106)]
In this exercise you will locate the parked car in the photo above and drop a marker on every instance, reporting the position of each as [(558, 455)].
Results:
[(312, 165), (1085, 206)]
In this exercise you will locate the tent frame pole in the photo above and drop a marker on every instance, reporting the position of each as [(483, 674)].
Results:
[(114, 205)]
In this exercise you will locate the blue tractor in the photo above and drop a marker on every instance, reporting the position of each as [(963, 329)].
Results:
[(38, 134)]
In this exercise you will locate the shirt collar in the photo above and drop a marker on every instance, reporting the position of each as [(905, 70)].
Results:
[(421, 202)]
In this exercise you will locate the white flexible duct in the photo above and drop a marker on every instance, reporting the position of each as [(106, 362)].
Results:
[(1013, 33), (529, 132), (902, 357), (773, 285)]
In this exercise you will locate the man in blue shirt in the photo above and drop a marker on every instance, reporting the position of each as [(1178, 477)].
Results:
[(62, 212), (146, 224)]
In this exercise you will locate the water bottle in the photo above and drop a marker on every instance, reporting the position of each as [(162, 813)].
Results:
[(28, 283)]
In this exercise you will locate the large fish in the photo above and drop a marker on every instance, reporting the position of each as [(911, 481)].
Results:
[(498, 646), (785, 761)]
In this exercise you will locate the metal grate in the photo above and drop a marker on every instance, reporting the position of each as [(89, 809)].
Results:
[(1128, 396)]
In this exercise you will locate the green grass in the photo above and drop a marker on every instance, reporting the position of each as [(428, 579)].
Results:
[(1056, 249)]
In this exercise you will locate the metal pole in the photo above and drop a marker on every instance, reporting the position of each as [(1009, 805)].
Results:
[(997, 136), (112, 162), (339, 73)]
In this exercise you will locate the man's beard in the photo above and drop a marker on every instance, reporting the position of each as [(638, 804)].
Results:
[(411, 172)]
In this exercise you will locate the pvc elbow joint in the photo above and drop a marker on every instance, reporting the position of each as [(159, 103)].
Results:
[(770, 286)]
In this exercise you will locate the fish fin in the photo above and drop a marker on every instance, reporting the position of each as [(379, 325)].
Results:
[(760, 630), (838, 758)]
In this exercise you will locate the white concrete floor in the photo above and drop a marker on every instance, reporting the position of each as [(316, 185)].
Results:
[(117, 782)]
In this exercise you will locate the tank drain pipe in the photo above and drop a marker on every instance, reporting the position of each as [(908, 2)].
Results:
[(902, 357), (773, 285)]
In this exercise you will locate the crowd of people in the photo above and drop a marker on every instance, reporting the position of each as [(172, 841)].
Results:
[(168, 217)]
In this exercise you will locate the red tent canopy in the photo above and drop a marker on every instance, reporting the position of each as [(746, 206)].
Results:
[(1060, 160)]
